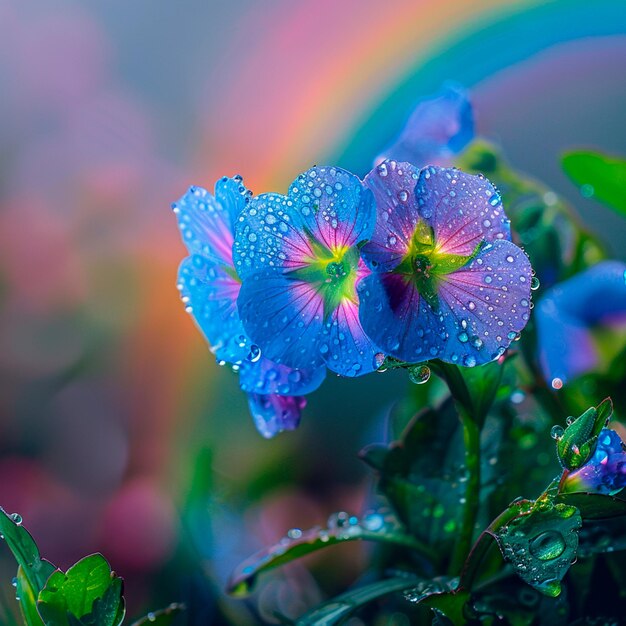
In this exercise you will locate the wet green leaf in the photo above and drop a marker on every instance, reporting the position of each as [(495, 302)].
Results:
[(89, 594), (373, 526), (27, 600), (593, 506), (578, 442), (164, 617), (442, 594), (33, 571), (335, 610), (542, 544), (599, 176), (423, 477)]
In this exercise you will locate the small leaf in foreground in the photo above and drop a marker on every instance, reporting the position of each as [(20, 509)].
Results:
[(88, 594), (542, 544)]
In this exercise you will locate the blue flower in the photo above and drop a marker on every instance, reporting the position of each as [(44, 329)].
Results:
[(209, 287), (605, 472), (438, 128), (568, 313), (446, 280), (274, 413), (299, 259)]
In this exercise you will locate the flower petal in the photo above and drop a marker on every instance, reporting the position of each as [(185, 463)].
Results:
[(392, 184), (270, 234), (284, 317), (210, 295), (334, 206), (438, 128), (486, 304), (266, 377), (568, 311), (273, 414), (347, 349), (463, 209), (206, 223), (232, 195), (398, 320)]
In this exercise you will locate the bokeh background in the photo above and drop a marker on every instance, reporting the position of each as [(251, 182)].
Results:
[(118, 432)]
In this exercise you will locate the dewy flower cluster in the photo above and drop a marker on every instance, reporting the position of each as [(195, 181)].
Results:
[(410, 263)]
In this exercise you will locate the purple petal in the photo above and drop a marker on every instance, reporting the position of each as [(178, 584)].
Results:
[(347, 349), (463, 209), (486, 304), (334, 206), (273, 414), (398, 320), (392, 184), (284, 317), (438, 128), (567, 313), (270, 234)]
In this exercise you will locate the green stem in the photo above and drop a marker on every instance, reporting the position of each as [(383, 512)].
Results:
[(471, 437)]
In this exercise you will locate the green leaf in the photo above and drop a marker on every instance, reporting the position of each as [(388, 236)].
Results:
[(335, 610), (25, 551), (27, 600), (164, 617), (422, 476), (89, 594), (599, 176), (578, 442), (542, 544), (33, 571), (341, 528), (443, 595), (594, 506)]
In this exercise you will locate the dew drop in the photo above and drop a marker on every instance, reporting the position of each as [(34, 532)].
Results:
[(469, 360), (419, 374), (587, 191), (556, 383), (556, 432), (254, 354), (548, 545), (534, 283), (17, 518)]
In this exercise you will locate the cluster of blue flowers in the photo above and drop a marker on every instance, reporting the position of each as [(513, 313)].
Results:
[(414, 263)]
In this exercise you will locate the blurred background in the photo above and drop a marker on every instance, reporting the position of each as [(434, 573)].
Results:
[(118, 432)]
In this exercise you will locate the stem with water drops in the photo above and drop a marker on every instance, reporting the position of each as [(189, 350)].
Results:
[(471, 438)]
